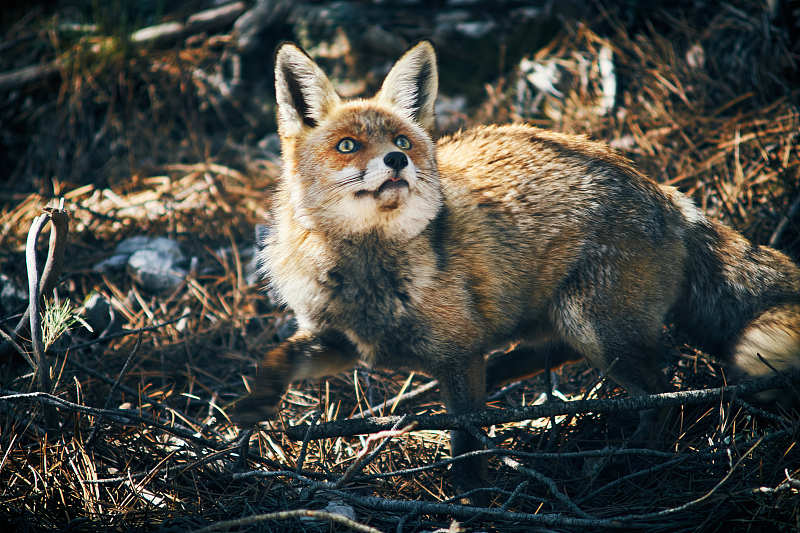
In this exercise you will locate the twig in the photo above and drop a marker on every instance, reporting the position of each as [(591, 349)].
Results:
[(422, 389), (781, 227), (9, 338), (489, 417), (692, 503), (244, 447), (363, 459), (514, 495), (123, 334), (287, 515), (114, 387), (52, 269), (8, 450), (549, 483), (715, 450), (27, 75), (604, 452), (208, 20), (41, 370), (304, 448), (131, 418)]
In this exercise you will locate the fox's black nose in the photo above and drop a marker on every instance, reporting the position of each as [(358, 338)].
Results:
[(395, 160)]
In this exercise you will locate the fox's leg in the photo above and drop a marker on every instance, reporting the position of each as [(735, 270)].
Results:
[(463, 387), (769, 342), (526, 361), (619, 332), (303, 355), (634, 363)]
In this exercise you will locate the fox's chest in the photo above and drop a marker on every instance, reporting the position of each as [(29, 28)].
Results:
[(373, 301), (368, 296)]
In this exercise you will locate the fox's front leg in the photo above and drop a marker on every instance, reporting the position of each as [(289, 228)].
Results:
[(303, 355), (463, 389)]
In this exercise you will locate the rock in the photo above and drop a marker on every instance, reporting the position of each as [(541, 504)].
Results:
[(156, 263), (114, 263), (385, 42), (253, 22), (334, 506), (100, 315), (339, 507), (156, 270), (271, 145), (451, 113), (12, 296)]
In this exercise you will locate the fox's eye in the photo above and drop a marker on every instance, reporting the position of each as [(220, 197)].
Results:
[(402, 142), (347, 145)]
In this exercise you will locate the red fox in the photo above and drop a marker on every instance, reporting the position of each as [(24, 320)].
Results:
[(407, 253)]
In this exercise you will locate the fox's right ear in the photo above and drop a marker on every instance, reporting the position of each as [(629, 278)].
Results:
[(303, 92), (412, 83)]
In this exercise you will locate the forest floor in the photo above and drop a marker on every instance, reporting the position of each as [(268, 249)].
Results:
[(170, 140)]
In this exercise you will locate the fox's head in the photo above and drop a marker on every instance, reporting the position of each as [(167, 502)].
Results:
[(359, 166)]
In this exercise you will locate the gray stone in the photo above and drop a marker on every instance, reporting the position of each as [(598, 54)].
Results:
[(156, 270), (99, 314), (11, 294)]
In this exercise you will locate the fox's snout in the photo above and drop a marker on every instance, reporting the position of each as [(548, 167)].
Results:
[(397, 161)]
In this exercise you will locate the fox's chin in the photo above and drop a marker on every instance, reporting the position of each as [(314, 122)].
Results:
[(390, 195), (395, 211)]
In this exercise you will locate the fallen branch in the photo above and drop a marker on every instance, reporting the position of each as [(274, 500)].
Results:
[(549, 483), (208, 20), (131, 418), (286, 515), (781, 227), (489, 417), (157, 35), (27, 75)]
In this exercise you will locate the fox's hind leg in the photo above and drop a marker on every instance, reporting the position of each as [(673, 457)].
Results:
[(613, 315), (634, 362)]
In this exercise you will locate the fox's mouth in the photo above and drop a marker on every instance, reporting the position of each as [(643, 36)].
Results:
[(391, 183)]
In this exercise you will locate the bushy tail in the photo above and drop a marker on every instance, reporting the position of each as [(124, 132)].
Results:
[(741, 301)]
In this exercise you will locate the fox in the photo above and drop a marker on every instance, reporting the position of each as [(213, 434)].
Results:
[(407, 253)]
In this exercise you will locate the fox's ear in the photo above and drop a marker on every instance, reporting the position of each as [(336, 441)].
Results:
[(304, 93), (411, 85)]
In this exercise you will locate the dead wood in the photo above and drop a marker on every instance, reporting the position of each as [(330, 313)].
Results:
[(489, 417)]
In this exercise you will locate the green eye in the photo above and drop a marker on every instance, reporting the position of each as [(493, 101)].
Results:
[(402, 142), (347, 145)]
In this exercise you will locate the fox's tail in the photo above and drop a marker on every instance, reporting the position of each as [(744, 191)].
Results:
[(740, 300)]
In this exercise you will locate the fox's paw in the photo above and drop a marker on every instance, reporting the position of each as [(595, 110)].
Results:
[(259, 406), (252, 410)]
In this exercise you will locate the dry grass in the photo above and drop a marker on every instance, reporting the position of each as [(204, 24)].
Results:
[(145, 441)]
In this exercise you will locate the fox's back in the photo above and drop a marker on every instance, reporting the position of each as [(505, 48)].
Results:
[(541, 205)]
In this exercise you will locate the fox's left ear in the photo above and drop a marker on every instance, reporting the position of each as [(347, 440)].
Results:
[(303, 92), (411, 85)]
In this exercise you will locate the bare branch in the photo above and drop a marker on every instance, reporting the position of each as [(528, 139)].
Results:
[(549, 483), (781, 227), (287, 515), (488, 417), (42, 370), (394, 400), (40, 284)]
